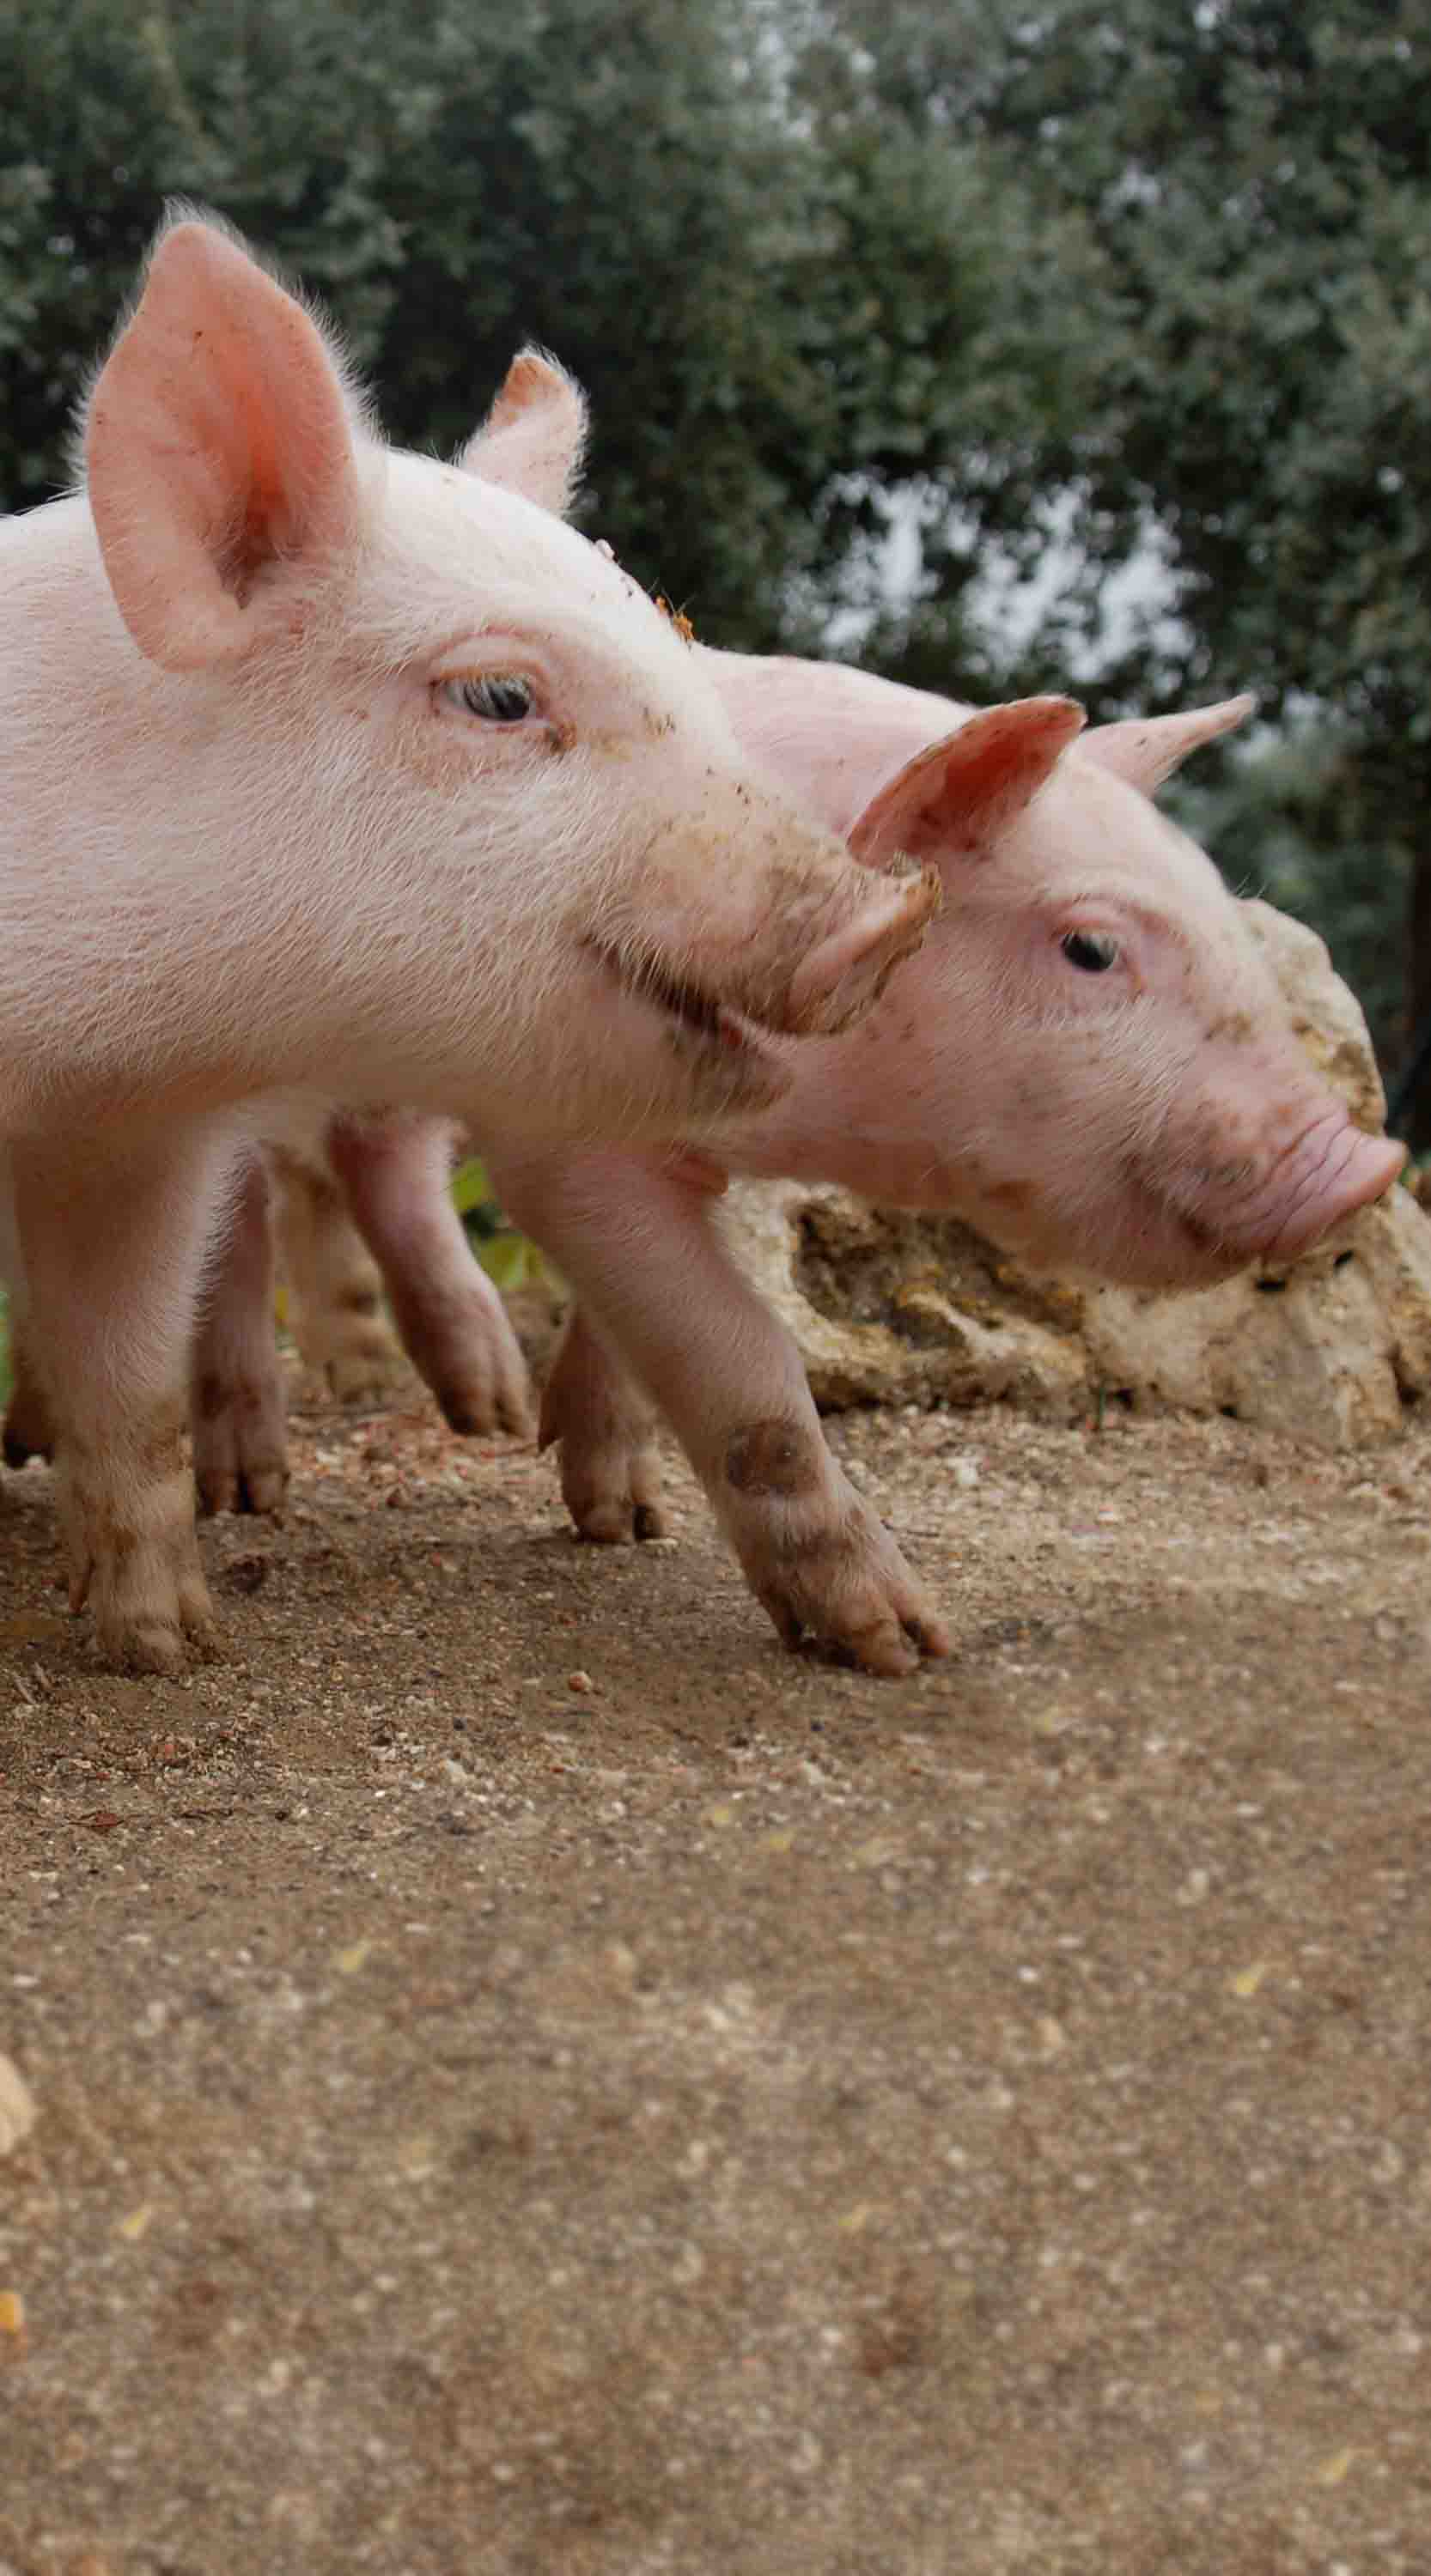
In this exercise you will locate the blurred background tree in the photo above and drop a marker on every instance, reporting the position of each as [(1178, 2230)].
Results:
[(1008, 346), (1222, 333), (751, 311)]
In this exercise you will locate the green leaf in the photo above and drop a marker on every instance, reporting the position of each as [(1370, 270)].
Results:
[(510, 1261), (470, 1187)]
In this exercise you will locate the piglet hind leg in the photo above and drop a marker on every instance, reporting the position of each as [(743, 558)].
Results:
[(642, 1247), (237, 1392), (604, 1427), (27, 1432), (454, 1326), (335, 1294), (113, 1243)]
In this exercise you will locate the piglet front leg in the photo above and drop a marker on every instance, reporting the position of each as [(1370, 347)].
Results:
[(639, 1241), (112, 1239)]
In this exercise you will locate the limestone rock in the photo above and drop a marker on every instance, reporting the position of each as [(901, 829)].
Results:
[(889, 1308)]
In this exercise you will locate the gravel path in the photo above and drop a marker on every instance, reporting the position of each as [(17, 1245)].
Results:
[(530, 2078)]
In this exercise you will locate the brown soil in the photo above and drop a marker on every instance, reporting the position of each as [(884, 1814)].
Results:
[(533, 2079)]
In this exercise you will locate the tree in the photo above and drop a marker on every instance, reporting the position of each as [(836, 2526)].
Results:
[(1225, 314), (755, 308)]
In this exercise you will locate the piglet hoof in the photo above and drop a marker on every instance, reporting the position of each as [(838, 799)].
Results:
[(134, 1557), (18, 1448), (150, 1616), (849, 1589), (148, 1642), (240, 1445), (252, 1488), (616, 1521), (610, 1464), (613, 1494), (459, 1337), (473, 1413), (488, 1390), (27, 1432)]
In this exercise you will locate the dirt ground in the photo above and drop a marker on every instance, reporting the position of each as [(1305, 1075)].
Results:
[(531, 2078)]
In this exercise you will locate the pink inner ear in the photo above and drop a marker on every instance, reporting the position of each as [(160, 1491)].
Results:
[(219, 442), (965, 789)]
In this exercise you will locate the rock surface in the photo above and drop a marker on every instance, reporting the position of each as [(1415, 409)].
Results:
[(890, 1308)]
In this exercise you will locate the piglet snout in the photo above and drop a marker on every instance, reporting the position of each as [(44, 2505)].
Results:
[(1332, 1170)]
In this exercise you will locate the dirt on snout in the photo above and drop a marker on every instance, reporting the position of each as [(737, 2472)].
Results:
[(531, 2078)]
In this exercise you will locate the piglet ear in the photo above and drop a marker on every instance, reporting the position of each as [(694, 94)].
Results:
[(1146, 750), (532, 438), (218, 446), (967, 788)]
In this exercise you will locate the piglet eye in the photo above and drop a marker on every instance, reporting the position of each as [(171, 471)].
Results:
[(1091, 951), (501, 697)]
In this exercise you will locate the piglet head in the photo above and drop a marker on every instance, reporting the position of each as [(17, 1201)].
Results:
[(1100, 1070), (440, 726)]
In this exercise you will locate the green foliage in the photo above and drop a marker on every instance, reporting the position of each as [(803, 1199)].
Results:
[(1283, 821), (1220, 330), (472, 1194), (1226, 220), (509, 1258), (756, 307)]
